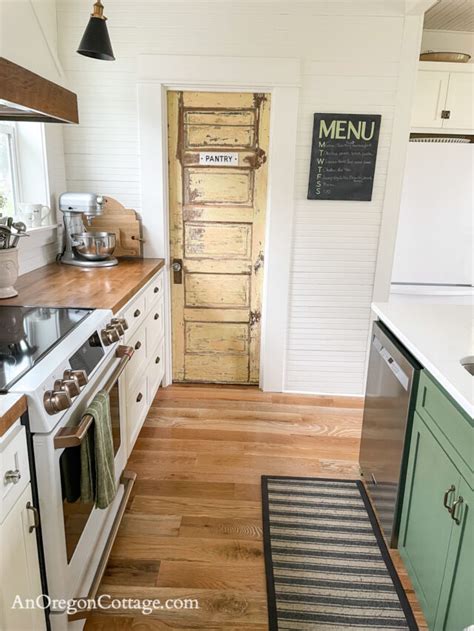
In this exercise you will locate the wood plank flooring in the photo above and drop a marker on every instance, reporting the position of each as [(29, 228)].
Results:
[(193, 526)]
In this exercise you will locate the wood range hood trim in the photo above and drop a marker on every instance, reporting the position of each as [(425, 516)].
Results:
[(26, 96)]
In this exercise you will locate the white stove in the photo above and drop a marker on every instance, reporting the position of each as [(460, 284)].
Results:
[(57, 382), (60, 359)]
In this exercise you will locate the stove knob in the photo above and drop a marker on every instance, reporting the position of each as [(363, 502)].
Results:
[(118, 327), (68, 385), (80, 376), (109, 336), (114, 334), (56, 401), (123, 323)]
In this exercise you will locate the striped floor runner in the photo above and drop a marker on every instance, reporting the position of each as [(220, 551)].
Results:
[(327, 566)]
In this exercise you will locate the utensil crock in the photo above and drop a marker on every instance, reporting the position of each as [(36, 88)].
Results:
[(8, 272)]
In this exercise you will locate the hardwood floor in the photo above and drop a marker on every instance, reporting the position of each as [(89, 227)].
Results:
[(193, 526)]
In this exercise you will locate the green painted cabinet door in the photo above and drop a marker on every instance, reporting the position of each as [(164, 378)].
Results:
[(456, 608), (426, 524)]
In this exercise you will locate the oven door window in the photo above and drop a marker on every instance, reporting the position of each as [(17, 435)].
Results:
[(76, 513)]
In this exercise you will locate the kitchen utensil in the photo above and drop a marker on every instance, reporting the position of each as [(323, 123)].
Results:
[(445, 56), (94, 246), (20, 228), (81, 248), (5, 235)]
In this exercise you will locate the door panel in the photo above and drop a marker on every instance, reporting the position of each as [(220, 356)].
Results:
[(430, 99), (217, 136), (224, 337), (217, 185), (217, 240), (459, 101), (459, 580), (217, 290), (217, 224), (216, 369), (426, 524)]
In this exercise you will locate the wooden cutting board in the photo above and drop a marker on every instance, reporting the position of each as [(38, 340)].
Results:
[(126, 225)]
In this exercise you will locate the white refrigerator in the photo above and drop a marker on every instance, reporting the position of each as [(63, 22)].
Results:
[(434, 254)]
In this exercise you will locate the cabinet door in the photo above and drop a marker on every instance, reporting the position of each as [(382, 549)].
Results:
[(456, 610), (19, 568), (426, 525), (460, 101), (430, 98)]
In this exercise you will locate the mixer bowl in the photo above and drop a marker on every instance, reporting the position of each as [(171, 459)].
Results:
[(94, 246)]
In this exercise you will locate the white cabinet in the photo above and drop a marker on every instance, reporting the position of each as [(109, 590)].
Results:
[(19, 565), (430, 99), (460, 101), (145, 314), (444, 98)]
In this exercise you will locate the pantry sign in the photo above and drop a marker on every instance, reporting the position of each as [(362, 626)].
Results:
[(343, 156), (219, 158)]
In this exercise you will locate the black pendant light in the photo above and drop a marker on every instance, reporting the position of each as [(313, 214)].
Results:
[(96, 41)]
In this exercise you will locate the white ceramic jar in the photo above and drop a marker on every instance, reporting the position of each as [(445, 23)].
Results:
[(8, 272)]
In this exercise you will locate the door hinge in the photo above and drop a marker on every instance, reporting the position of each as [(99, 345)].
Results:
[(259, 262), (255, 316), (445, 114)]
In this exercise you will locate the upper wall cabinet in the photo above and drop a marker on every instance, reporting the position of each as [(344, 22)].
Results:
[(444, 98)]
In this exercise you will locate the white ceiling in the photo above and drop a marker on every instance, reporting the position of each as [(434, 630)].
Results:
[(451, 15)]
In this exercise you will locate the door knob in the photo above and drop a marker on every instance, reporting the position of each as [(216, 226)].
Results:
[(177, 267)]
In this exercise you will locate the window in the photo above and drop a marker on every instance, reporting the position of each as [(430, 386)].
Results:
[(8, 170)]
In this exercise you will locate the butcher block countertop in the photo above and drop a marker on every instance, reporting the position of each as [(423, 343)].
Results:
[(57, 285), (12, 406)]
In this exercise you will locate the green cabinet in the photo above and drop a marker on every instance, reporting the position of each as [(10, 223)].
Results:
[(457, 605), (437, 525)]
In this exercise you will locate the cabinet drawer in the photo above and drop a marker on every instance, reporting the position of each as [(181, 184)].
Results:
[(134, 313), (434, 405), (154, 291), (154, 327), (156, 369), (14, 469), (138, 342), (137, 407)]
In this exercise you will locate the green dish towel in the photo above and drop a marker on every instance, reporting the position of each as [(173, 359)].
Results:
[(97, 455)]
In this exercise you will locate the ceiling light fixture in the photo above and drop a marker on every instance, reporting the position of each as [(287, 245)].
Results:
[(96, 41)]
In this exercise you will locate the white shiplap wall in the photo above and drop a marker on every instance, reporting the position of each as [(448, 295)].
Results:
[(350, 64)]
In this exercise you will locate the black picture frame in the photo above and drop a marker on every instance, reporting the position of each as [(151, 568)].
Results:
[(343, 156)]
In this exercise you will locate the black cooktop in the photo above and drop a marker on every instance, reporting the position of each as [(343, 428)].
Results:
[(27, 334)]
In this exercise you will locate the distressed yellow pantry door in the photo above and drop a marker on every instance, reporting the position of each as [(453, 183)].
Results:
[(218, 145)]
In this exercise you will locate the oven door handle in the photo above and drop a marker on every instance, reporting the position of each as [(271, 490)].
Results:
[(128, 480), (73, 436)]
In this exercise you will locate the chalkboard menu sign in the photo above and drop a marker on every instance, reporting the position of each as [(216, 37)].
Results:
[(343, 156)]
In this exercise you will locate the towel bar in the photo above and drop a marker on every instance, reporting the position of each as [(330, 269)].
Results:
[(73, 436)]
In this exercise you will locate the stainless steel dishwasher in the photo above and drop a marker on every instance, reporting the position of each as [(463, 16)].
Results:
[(386, 429)]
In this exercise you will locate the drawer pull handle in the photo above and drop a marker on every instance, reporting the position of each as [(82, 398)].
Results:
[(137, 313), (156, 316), (138, 345), (446, 504), (139, 397), (156, 290), (12, 476), (36, 517), (457, 503), (157, 360)]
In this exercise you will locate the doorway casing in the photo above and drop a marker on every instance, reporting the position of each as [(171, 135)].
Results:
[(281, 78)]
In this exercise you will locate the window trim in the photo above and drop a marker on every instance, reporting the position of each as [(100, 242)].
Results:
[(10, 130)]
